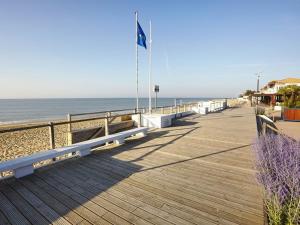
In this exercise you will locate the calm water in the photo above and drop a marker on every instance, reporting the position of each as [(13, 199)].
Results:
[(17, 110)]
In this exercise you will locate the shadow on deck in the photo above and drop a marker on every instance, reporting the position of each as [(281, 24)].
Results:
[(74, 191), (141, 182)]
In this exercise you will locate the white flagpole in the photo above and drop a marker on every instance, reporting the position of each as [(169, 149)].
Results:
[(150, 67), (137, 65)]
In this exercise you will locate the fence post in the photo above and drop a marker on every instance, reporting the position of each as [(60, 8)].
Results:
[(69, 130), (109, 117), (140, 120), (106, 123), (51, 135)]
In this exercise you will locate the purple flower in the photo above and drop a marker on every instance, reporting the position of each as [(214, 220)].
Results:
[(278, 165)]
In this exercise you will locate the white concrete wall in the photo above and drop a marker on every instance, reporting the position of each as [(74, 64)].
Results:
[(210, 106), (159, 120)]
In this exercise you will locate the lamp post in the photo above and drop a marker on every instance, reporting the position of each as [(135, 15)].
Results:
[(257, 86), (257, 83)]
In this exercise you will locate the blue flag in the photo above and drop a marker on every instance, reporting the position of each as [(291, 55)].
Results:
[(141, 37)]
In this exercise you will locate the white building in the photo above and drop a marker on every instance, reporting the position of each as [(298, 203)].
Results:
[(273, 86), (268, 94)]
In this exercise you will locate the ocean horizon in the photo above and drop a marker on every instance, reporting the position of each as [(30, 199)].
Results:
[(41, 109)]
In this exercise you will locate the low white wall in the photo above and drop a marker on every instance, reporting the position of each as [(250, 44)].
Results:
[(210, 106), (159, 120)]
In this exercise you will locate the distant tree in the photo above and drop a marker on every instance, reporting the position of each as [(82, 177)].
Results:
[(291, 95), (249, 92)]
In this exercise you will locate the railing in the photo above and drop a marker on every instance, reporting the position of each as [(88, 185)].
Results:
[(172, 108), (265, 125), (28, 139), (51, 125)]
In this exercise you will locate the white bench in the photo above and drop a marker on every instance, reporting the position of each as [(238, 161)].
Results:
[(23, 166)]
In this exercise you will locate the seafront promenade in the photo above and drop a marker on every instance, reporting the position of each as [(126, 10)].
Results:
[(199, 171)]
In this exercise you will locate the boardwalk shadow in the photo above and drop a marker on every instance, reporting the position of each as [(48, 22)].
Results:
[(68, 192), (133, 145), (180, 123), (81, 189), (72, 191), (198, 157)]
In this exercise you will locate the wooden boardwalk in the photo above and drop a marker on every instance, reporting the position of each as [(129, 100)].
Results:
[(197, 172)]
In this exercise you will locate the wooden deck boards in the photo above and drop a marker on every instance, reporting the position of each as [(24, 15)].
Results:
[(199, 171)]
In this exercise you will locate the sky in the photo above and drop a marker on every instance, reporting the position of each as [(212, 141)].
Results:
[(86, 49)]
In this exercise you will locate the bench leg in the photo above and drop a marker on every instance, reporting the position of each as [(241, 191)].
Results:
[(71, 154), (119, 141), (84, 152), (23, 171), (142, 134)]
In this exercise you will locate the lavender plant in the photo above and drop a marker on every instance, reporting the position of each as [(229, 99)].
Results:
[(278, 165)]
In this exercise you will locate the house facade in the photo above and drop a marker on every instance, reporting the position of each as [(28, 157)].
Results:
[(268, 94), (273, 87)]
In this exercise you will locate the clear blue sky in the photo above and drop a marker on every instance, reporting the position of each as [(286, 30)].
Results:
[(210, 48)]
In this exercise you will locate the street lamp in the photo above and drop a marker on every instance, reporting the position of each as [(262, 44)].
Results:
[(257, 85)]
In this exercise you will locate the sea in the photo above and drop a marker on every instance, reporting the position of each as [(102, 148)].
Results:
[(31, 110)]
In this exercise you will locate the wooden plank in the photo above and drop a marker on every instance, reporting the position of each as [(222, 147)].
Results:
[(196, 182), (126, 188), (88, 201), (3, 219), (194, 185), (171, 192), (178, 221), (234, 174), (11, 212), (56, 205), (210, 174), (104, 164), (136, 192), (116, 209), (191, 172), (39, 205), (80, 205), (24, 207)]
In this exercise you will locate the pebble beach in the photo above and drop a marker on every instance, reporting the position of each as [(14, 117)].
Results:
[(27, 142)]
